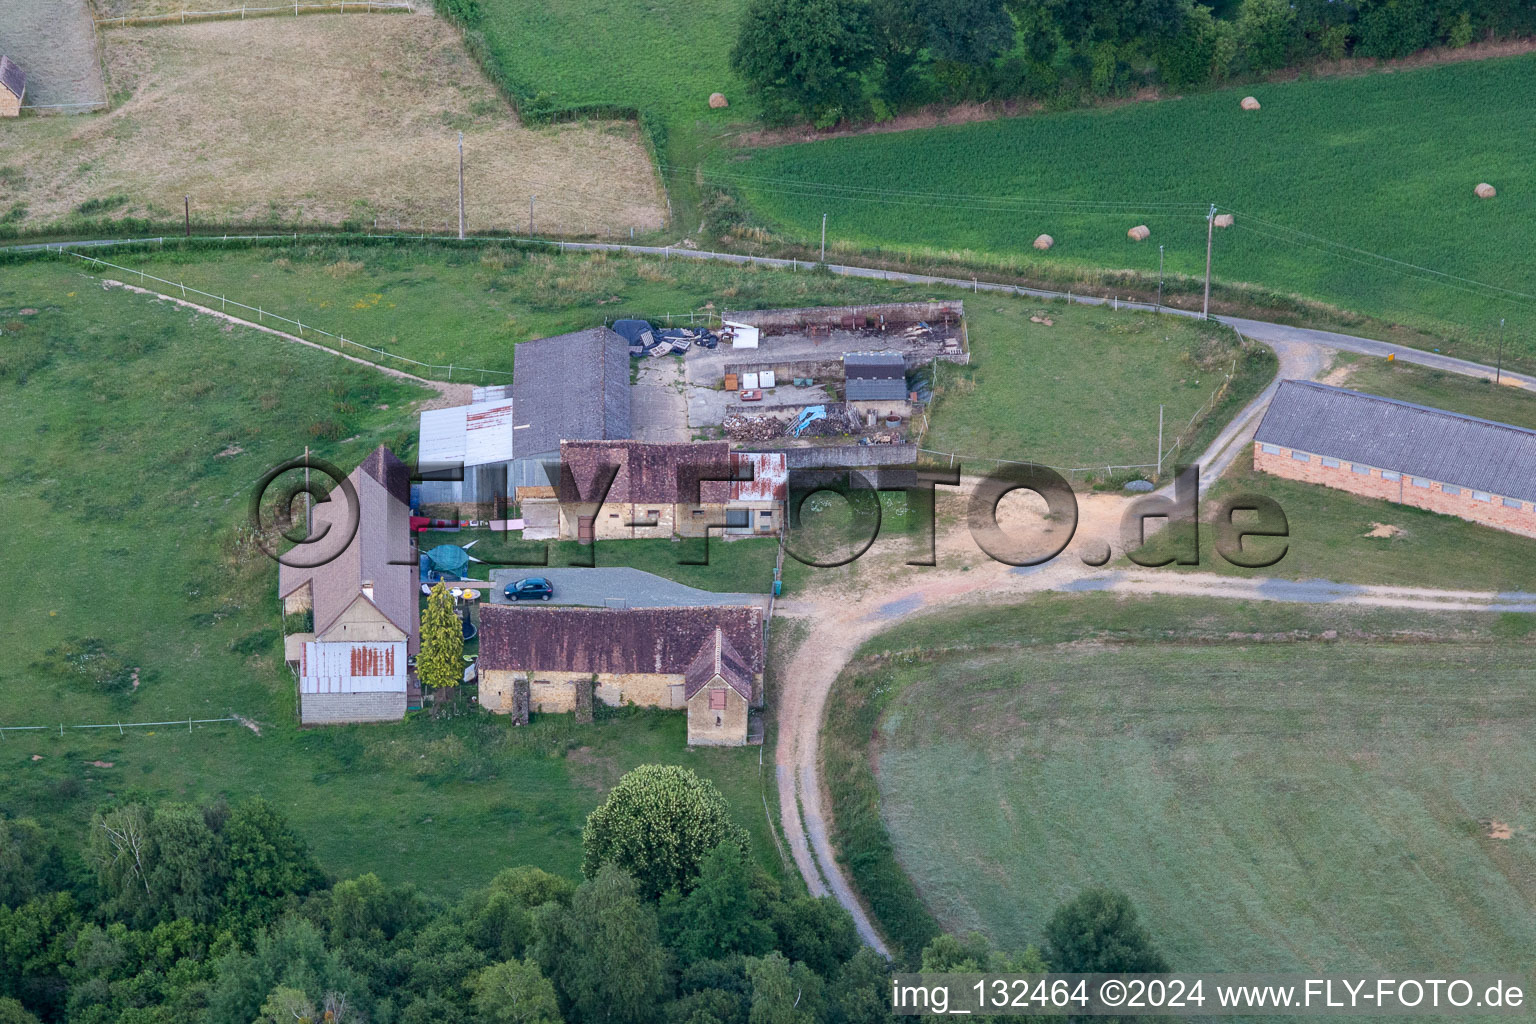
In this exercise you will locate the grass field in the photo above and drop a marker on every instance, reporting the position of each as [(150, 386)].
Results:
[(1270, 799), (1383, 162), (54, 42), (122, 414), (369, 106), (1032, 391)]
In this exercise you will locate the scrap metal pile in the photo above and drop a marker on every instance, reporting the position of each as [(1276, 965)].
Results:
[(837, 423)]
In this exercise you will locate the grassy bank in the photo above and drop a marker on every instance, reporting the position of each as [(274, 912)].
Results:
[(1366, 161), (137, 430), (1021, 753)]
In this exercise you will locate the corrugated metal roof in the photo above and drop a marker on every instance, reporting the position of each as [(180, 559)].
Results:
[(352, 667), (1416, 440), (770, 477), (12, 77), (474, 435)]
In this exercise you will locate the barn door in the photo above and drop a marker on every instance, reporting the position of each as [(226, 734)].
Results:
[(584, 529)]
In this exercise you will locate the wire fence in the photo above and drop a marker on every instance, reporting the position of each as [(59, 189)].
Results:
[(242, 12), (121, 727), (263, 315)]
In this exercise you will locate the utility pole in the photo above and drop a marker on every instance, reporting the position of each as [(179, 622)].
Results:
[(1498, 372), (1210, 228), (1159, 283), (187, 210), (823, 238), (1159, 441), (461, 186), (530, 213)]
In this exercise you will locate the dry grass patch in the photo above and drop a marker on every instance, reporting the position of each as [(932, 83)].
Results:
[(316, 120)]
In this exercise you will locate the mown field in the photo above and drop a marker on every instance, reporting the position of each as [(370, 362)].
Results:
[(136, 432), (1269, 797), (1383, 163), (370, 107), (1082, 392), (1340, 536)]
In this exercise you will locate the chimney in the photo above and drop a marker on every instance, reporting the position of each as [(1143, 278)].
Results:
[(368, 589)]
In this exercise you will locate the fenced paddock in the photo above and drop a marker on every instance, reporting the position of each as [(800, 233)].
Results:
[(317, 121), (54, 42), (148, 12)]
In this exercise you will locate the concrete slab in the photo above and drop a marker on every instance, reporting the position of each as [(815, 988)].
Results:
[(658, 408)]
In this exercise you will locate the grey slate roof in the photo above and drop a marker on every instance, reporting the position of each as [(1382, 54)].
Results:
[(874, 376), (1415, 440), (12, 77), (572, 387)]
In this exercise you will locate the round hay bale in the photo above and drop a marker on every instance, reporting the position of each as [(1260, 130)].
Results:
[(1249, 103), (1486, 191), (717, 100), (1044, 242), (1224, 220), (1139, 233)]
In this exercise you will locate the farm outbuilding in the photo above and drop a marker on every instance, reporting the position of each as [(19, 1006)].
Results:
[(353, 666), (1411, 454), (875, 377), (13, 87), (708, 660), (569, 387)]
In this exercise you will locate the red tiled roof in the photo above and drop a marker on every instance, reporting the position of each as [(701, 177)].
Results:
[(614, 640)]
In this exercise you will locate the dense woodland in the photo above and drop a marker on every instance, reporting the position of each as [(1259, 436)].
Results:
[(220, 915), (835, 60)]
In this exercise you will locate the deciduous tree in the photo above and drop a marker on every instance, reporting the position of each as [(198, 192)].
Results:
[(805, 57), (1098, 932), (440, 659)]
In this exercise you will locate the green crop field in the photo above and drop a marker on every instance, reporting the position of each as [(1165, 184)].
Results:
[(1277, 801), (1030, 393), (135, 430), (1384, 163)]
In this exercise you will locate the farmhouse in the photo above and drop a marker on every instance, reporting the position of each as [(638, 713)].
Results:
[(13, 87), (662, 490), (708, 660), (1412, 454), (570, 387), (353, 666)]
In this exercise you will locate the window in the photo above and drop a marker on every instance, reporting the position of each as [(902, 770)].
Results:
[(765, 515), (1481, 496), (1419, 481), (717, 700), (613, 515), (698, 512), (1358, 468), (1511, 502), (1301, 456), (738, 518), (1330, 463), (1388, 474), (1270, 449), (1450, 489)]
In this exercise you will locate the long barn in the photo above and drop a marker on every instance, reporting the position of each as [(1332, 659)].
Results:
[(1415, 455)]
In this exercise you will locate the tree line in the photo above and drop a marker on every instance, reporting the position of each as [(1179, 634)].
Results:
[(835, 60), (178, 914)]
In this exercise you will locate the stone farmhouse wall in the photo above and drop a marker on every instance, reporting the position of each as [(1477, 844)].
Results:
[(725, 727), (555, 692), (330, 708), (1496, 510), (613, 519)]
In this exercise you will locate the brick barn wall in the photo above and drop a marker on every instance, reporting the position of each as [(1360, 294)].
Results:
[(1434, 498)]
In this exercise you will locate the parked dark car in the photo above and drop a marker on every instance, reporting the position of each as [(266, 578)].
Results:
[(534, 588)]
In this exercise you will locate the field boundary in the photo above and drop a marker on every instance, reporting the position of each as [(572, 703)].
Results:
[(261, 314), (295, 9), (119, 726)]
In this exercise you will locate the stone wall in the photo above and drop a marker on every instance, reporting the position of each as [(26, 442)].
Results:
[(557, 692), (332, 708), (1446, 499), (717, 728)]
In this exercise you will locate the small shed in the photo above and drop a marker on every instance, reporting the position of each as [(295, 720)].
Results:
[(875, 376), (13, 86)]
